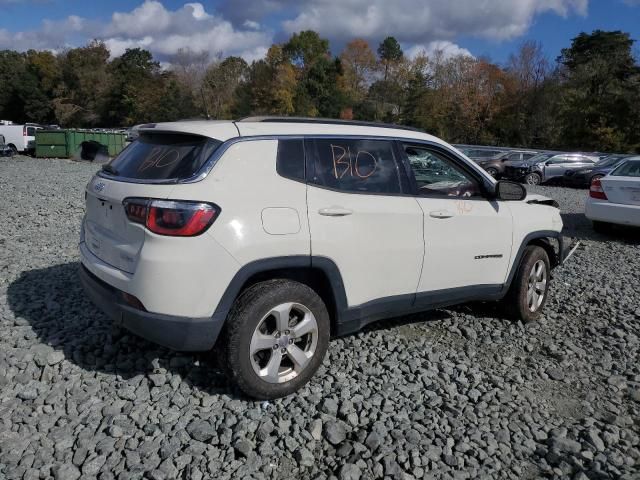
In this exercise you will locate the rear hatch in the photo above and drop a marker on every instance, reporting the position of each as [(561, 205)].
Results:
[(623, 184), (148, 168)]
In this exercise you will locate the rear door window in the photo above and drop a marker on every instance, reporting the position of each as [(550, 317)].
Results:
[(353, 165), (163, 157), (31, 131)]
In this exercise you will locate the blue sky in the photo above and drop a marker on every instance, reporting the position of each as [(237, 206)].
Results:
[(492, 28)]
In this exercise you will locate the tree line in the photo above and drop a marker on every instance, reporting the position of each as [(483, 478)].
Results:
[(589, 98)]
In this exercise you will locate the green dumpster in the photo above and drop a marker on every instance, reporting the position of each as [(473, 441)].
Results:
[(68, 143), (51, 143)]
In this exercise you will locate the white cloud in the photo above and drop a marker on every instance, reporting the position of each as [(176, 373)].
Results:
[(237, 27), (154, 27), (447, 48), (421, 21), (251, 24)]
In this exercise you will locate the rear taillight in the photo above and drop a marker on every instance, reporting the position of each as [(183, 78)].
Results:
[(170, 217), (24, 131), (596, 190)]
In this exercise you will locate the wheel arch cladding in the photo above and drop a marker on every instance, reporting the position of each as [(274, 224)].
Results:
[(546, 244), (319, 273), (543, 239)]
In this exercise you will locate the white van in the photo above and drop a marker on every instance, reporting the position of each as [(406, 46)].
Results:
[(17, 136)]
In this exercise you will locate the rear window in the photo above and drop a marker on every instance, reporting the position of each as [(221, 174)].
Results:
[(630, 168), (163, 157), (31, 131)]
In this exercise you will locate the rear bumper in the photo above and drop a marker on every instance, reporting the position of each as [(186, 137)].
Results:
[(620, 214), (177, 333)]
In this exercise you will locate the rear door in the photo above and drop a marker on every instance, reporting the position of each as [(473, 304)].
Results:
[(361, 218), (467, 237), (623, 184)]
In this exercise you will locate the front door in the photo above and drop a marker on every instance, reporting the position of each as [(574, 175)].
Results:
[(468, 238), (361, 218)]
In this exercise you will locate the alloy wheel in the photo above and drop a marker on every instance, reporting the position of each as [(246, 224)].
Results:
[(283, 343), (537, 285), (533, 179)]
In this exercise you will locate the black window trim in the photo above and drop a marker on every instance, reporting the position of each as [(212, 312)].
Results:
[(304, 161), (485, 189)]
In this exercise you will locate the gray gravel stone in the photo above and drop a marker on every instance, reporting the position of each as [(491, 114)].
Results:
[(66, 472), (304, 457), (350, 471), (335, 432), (201, 430)]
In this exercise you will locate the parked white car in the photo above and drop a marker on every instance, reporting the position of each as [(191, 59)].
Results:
[(17, 136), (261, 238), (615, 198)]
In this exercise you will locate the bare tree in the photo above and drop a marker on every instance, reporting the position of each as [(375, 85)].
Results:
[(529, 66)]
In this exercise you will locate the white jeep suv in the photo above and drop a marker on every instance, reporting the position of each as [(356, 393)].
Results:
[(262, 237)]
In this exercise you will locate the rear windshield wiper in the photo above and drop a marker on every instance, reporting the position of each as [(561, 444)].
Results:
[(109, 169)]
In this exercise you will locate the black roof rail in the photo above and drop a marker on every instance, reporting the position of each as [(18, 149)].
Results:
[(327, 121)]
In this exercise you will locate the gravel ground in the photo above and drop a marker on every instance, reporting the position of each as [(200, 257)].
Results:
[(457, 393)]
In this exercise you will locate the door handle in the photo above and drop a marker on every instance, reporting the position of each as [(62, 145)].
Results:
[(335, 212), (441, 214)]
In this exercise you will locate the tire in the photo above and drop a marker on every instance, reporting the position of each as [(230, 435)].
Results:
[(601, 227), (252, 324), (520, 303), (493, 172), (13, 149), (533, 179)]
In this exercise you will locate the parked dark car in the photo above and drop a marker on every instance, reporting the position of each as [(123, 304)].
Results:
[(583, 177), (5, 150), (546, 167), (495, 165)]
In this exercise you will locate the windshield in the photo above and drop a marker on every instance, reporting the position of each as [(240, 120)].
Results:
[(165, 156), (630, 168)]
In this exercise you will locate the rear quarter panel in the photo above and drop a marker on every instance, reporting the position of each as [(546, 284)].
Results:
[(245, 185)]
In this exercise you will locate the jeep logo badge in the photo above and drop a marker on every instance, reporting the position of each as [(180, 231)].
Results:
[(98, 187)]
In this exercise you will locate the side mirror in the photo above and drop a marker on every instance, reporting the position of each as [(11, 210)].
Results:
[(510, 191)]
